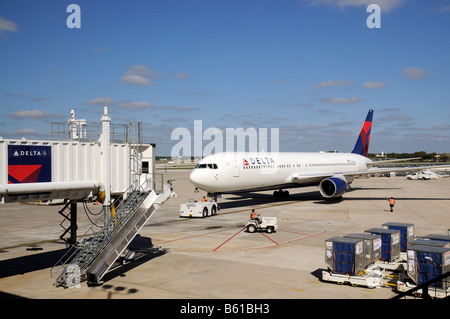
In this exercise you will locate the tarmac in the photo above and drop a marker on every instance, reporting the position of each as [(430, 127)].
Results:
[(214, 257)]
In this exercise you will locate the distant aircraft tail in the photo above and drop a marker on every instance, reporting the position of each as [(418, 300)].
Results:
[(362, 144)]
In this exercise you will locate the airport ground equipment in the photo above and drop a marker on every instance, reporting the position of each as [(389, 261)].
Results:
[(99, 253), (390, 243), (406, 233), (423, 175), (269, 224), (345, 255), (371, 247), (437, 237), (198, 209), (429, 242), (372, 277), (428, 262)]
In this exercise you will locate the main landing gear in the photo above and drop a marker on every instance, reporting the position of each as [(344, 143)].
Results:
[(280, 194)]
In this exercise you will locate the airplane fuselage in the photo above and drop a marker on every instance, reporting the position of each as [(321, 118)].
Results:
[(241, 172)]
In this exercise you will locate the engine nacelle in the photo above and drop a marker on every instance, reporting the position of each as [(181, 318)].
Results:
[(333, 187)]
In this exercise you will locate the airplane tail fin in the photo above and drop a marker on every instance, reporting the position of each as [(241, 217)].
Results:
[(362, 144)]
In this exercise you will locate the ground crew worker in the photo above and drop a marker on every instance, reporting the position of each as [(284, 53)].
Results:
[(203, 199), (253, 216), (391, 203)]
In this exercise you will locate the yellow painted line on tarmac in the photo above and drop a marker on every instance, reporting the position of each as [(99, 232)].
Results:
[(367, 290), (297, 290)]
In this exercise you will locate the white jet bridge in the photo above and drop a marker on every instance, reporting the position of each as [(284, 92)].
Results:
[(117, 169)]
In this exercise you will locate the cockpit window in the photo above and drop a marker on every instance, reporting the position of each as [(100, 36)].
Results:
[(211, 166)]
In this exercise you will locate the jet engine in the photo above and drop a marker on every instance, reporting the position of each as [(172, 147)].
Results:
[(333, 187)]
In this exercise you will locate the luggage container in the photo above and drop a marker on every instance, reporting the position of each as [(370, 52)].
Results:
[(345, 255), (390, 242), (406, 233), (429, 242), (372, 247), (428, 262), (437, 237)]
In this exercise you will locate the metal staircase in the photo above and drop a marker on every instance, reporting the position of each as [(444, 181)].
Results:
[(95, 257)]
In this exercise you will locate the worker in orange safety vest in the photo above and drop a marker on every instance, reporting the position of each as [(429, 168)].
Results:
[(255, 216), (391, 203)]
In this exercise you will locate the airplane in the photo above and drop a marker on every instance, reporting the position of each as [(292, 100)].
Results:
[(237, 172)]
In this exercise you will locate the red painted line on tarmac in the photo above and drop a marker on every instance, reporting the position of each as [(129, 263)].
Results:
[(304, 237), (269, 238), (228, 239), (168, 241), (239, 249)]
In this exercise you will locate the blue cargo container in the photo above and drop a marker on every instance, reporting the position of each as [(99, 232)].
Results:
[(372, 247), (428, 262), (345, 255), (390, 243), (406, 233)]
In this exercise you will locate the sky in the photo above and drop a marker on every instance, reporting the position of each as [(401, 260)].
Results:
[(310, 68)]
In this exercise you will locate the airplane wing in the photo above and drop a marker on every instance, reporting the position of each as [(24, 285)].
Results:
[(316, 178), (376, 170), (395, 160)]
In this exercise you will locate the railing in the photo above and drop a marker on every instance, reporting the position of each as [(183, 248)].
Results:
[(83, 255)]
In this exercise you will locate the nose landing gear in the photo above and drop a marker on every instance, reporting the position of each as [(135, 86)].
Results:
[(280, 194)]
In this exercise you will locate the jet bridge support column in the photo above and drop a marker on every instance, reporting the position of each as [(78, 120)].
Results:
[(106, 162), (73, 222), (70, 216)]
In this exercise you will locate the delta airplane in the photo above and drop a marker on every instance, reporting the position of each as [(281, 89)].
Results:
[(237, 172)]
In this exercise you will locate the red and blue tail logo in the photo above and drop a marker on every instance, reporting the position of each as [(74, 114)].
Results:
[(362, 144)]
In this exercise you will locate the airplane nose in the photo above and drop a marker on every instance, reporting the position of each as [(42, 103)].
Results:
[(194, 178)]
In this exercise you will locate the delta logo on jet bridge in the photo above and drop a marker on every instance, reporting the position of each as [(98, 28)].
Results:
[(29, 164)]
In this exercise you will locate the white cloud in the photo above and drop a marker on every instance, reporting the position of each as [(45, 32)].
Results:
[(374, 85), (24, 131), (139, 75), (445, 9), (342, 100), (414, 73), (7, 25), (136, 80), (33, 114), (386, 5), (141, 105), (101, 101), (331, 83), (182, 75)]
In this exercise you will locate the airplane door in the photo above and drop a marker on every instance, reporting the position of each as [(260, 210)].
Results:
[(235, 169)]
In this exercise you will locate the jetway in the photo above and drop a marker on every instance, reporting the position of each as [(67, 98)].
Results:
[(110, 165), (115, 156)]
